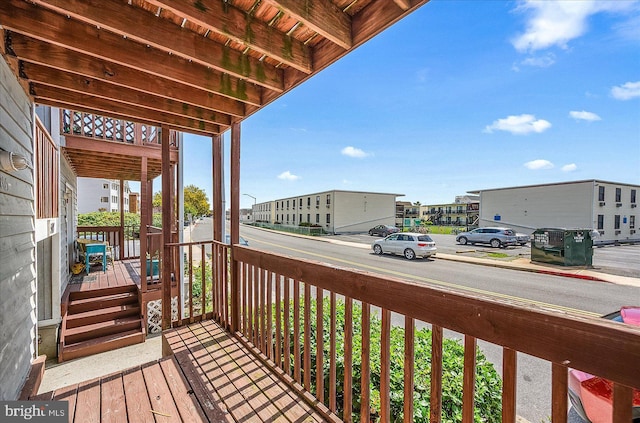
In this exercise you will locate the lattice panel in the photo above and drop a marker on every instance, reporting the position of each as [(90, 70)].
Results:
[(154, 314), (99, 126), (108, 128), (87, 127), (77, 123), (129, 132)]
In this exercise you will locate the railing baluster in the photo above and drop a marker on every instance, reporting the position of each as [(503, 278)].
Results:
[(203, 282), (348, 361), (469, 379), (261, 311), (191, 282), (297, 374), (250, 311), (278, 321), (365, 369), (246, 314), (287, 327), (559, 386), (332, 354), (307, 337), (622, 403), (269, 325), (409, 357), (320, 344), (509, 371), (436, 375), (385, 367)]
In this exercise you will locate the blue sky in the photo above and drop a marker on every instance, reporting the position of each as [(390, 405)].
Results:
[(459, 96)]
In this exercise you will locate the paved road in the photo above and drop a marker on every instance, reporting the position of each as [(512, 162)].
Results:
[(579, 296)]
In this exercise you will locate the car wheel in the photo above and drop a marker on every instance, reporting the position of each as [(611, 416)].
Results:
[(522, 244), (409, 254), (463, 240), (370, 233), (495, 243), (377, 249)]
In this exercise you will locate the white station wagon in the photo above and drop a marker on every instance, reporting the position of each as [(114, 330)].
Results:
[(408, 244)]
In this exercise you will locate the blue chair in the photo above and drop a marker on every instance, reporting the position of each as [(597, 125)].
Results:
[(96, 249)]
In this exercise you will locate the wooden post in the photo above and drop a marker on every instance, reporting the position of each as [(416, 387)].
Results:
[(235, 224), (144, 212), (218, 211), (167, 215), (121, 232)]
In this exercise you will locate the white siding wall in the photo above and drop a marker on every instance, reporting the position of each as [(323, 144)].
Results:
[(360, 211), (529, 208), (17, 240)]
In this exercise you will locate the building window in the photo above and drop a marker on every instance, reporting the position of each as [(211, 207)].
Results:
[(293, 216), (104, 199), (105, 186), (317, 218), (294, 203), (328, 217), (328, 200), (300, 203), (600, 193), (616, 221), (317, 201), (600, 221), (308, 202), (633, 196), (287, 204), (308, 218), (114, 199), (618, 195), (300, 217), (632, 222)]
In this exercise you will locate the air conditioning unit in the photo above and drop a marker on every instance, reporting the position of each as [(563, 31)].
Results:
[(632, 231), (618, 204), (617, 232), (602, 203), (634, 205)]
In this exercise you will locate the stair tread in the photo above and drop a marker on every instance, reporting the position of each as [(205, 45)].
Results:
[(90, 293), (99, 325), (101, 298), (125, 308), (103, 340)]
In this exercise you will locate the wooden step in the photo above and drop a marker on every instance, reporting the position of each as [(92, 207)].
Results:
[(106, 301), (102, 344), (100, 292), (102, 315), (100, 329)]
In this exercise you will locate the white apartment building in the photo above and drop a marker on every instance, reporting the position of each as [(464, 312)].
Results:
[(101, 195), (336, 211), (611, 208)]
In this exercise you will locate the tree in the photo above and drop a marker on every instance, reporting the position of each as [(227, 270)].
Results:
[(196, 202), (156, 202)]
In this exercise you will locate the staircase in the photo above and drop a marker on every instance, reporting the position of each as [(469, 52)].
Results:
[(100, 320)]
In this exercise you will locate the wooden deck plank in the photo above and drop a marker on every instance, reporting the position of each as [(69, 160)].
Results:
[(234, 401), (68, 394), (162, 403), (274, 389), (88, 402), (188, 406), (135, 391), (113, 405)]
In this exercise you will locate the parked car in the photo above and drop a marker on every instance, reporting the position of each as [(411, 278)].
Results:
[(521, 238), (496, 237), (591, 396), (410, 245), (383, 230), (242, 241)]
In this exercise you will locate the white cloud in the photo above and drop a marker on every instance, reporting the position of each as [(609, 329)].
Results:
[(555, 23), (288, 176), (583, 115), (626, 91), (519, 125), (569, 167), (540, 61), (354, 152), (539, 164)]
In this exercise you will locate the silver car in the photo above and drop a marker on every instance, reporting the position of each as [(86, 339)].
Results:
[(408, 244), (496, 237)]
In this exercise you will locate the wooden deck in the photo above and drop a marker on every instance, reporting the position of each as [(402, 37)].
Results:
[(119, 273), (209, 377)]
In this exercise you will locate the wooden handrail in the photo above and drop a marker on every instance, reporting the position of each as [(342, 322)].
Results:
[(608, 349)]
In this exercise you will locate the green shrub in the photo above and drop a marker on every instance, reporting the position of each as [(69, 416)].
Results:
[(488, 384)]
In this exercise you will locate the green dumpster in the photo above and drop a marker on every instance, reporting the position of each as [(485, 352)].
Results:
[(565, 247)]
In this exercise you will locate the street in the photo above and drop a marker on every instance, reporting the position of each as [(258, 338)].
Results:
[(572, 295)]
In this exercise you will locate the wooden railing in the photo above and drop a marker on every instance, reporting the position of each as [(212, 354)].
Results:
[(110, 129), (124, 240), (271, 299), (47, 163)]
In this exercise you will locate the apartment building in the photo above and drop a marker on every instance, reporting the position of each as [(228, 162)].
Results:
[(611, 208), (101, 195), (336, 211)]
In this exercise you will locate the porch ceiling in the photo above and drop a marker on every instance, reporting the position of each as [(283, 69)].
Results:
[(192, 66)]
